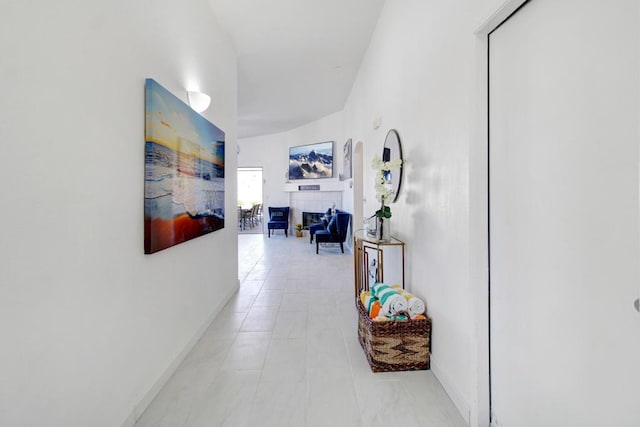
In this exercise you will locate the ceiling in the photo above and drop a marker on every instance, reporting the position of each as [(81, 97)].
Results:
[(297, 59)]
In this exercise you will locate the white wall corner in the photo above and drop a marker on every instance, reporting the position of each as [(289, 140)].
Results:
[(458, 399), (495, 18)]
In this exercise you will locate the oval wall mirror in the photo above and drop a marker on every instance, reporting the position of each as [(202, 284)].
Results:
[(393, 150)]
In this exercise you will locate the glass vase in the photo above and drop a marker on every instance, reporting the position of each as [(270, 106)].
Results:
[(383, 229)]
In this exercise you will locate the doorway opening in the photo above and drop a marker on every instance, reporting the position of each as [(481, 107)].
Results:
[(250, 212)]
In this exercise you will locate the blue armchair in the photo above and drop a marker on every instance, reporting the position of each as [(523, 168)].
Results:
[(336, 231), (319, 225), (278, 220)]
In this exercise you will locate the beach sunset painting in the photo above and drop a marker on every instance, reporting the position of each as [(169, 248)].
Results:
[(184, 172)]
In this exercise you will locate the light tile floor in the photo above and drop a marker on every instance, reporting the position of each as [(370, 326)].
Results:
[(284, 352)]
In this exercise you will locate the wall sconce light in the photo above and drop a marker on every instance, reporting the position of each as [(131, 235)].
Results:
[(199, 101)]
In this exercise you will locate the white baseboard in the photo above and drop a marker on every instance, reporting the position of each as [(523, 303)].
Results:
[(461, 402), (139, 409)]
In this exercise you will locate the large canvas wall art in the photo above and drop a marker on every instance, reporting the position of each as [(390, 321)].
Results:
[(184, 172), (311, 161)]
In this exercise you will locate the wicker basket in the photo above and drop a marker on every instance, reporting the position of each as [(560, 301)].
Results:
[(394, 345)]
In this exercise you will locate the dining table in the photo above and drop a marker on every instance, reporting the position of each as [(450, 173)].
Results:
[(244, 213)]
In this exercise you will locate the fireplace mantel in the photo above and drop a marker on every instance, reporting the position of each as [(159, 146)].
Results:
[(334, 186)]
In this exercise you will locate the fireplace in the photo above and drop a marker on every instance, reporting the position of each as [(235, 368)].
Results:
[(309, 218)]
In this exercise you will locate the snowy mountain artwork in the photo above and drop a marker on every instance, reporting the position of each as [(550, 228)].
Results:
[(311, 161)]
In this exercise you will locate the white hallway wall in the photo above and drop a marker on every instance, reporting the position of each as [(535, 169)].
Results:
[(89, 324), (417, 75), (420, 76)]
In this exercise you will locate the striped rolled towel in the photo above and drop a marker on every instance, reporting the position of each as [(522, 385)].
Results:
[(390, 300), (415, 305), (370, 304)]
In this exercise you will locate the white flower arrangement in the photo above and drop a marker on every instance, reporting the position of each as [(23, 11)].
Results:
[(383, 189)]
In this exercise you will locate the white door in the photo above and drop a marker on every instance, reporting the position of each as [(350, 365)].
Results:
[(564, 218)]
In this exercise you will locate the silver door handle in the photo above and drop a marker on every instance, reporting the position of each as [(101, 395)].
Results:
[(636, 304)]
